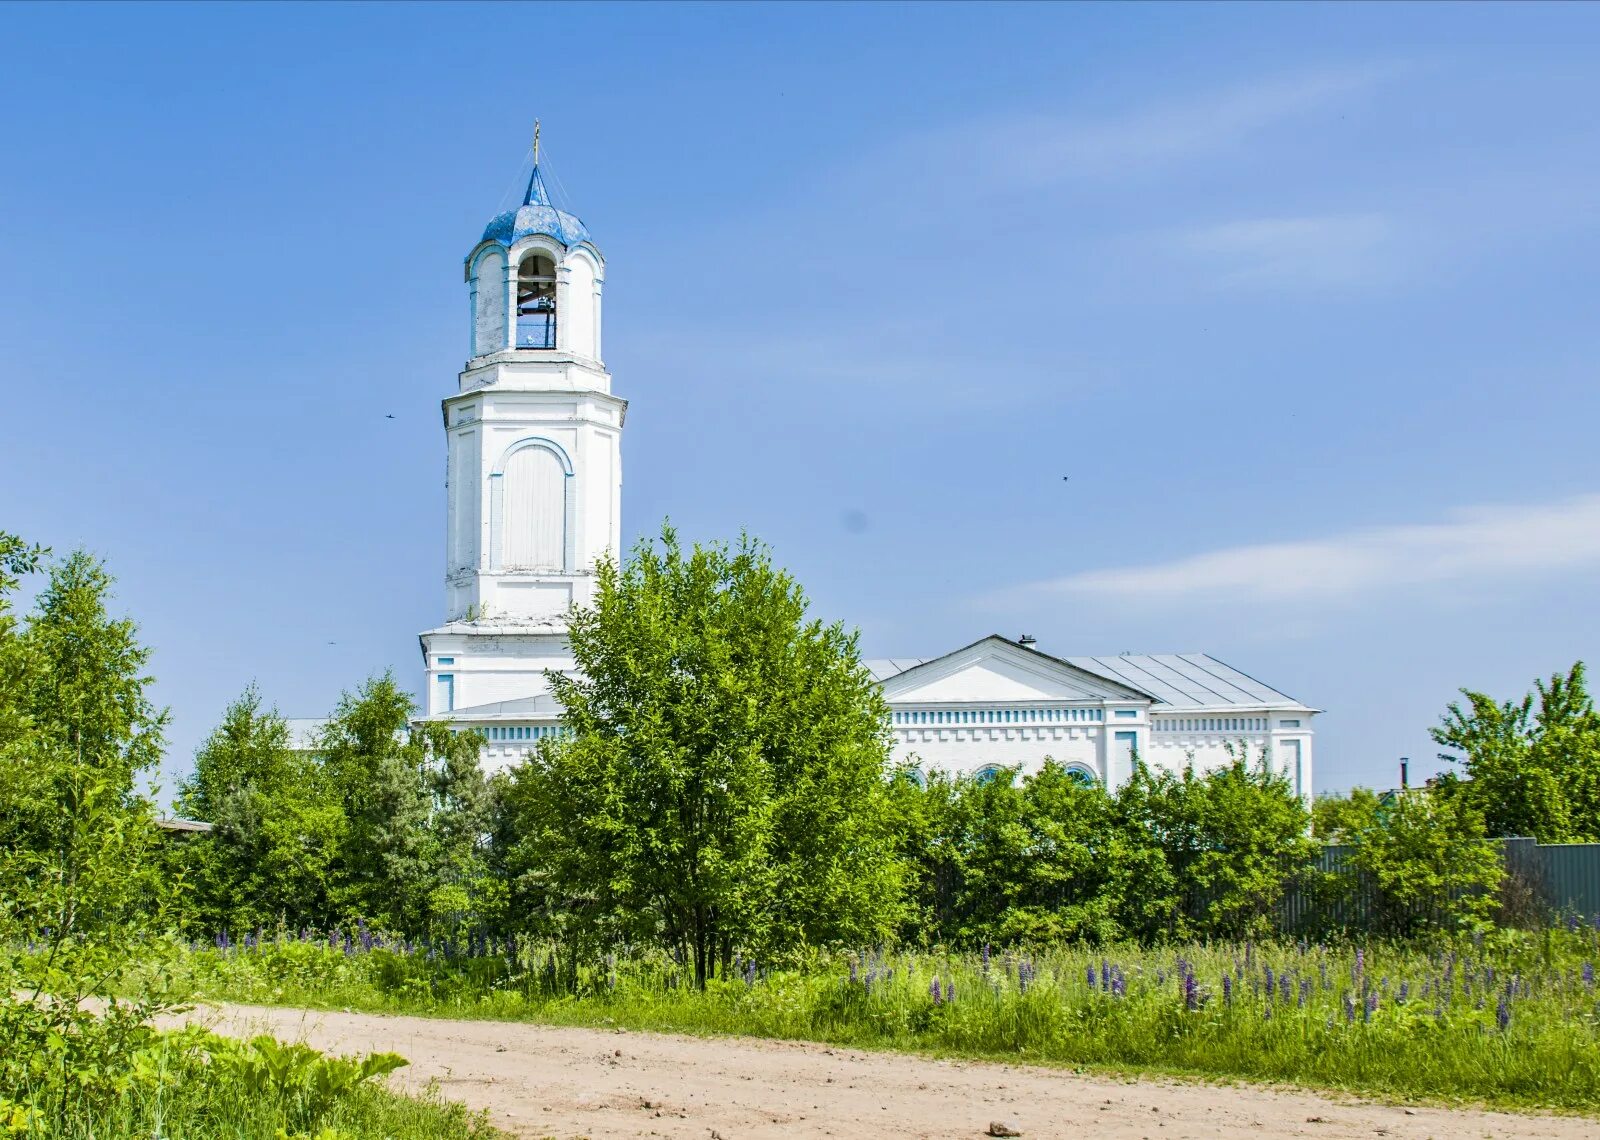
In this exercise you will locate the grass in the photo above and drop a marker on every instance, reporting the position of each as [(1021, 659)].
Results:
[(190, 1086), (1511, 1021)]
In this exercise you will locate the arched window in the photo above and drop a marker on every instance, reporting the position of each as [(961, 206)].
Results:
[(987, 773), (536, 302), (1078, 774)]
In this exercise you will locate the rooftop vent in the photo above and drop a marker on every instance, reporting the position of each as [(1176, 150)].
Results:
[(1027, 640)]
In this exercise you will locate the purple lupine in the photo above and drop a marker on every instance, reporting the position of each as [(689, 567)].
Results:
[(1285, 987), (1349, 1007), (1119, 983), (1089, 974), (1371, 1005), (1191, 993), (1588, 974), (985, 957), (1502, 1015), (1405, 992), (853, 978), (1272, 983), (749, 973), (1227, 988), (934, 991), (1359, 968), (1305, 992), (1105, 975), (950, 990)]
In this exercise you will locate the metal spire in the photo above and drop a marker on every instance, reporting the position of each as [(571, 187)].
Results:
[(537, 195)]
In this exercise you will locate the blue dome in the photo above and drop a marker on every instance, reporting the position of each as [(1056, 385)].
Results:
[(536, 216)]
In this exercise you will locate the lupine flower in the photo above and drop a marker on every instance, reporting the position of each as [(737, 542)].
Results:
[(1405, 992), (1191, 993), (1588, 974), (1371, 1005), (1105, 975), (1502, 1015), (1359, 967), (950, 990), (1119, 984), (1285, 987), (1305, 992), (985, 957), (1089, 974), (1227, 989), (1272, 983), (934, 992), (1349, 1007)]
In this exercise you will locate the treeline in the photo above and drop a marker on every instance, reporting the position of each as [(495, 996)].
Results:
[(725, 791)]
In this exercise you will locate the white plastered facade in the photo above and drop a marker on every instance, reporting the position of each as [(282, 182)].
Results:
[(534, 498), (533, 478), (1002, 704)]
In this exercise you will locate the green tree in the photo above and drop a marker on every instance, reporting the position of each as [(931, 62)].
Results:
[(725, 784), (1232, 839), (80, 888), (1532, 765), (1338, 819), (415, 812), (1429, 863), (275, 831)]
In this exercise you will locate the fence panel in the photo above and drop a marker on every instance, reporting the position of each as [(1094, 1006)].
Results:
[(1564, 878)]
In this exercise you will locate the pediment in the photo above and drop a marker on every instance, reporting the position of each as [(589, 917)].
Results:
[(995, 669)]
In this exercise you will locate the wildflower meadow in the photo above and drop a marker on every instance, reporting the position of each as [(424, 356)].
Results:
[(1510, 1018)]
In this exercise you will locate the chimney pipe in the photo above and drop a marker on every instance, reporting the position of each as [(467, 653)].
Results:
[(1405, 762), (1027, 640)]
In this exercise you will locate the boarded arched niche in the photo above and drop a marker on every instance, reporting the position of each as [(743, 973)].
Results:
[(533, 510), (489, 303)]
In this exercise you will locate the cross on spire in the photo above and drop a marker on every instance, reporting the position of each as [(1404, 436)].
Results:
[(536, 142)]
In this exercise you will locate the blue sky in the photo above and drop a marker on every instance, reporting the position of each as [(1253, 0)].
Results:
[(1300, 299)]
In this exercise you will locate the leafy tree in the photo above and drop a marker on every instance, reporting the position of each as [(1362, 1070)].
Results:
[(1533, 765), (415, 808), (724, 787), (1232, 840), (275, 831), (1429, 862), (80, 890), (1012, 860), (1339, 819)]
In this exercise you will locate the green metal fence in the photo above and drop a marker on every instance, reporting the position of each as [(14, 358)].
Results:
[(1543, 881)]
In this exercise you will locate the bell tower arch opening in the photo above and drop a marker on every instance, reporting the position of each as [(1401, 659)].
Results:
[(536, 301)]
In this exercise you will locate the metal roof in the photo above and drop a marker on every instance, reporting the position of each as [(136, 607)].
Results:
[(882, 668), (1187, 680), (541, 707), (304, 732), (536, 216)]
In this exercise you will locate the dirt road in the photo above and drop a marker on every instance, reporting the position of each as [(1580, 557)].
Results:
[(538, 1081)]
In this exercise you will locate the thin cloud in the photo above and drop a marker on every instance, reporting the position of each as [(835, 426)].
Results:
[(1027, 151), (1475, 544), (1279, 252)]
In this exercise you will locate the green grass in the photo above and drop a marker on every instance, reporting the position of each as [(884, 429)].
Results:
[(1512, 1021), (193, 1085)]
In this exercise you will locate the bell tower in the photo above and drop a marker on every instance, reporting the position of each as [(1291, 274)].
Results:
[(533, 459)]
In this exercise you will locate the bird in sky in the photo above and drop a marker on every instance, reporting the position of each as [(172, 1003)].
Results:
[(388, 415)]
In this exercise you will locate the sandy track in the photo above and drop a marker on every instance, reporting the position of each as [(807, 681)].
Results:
[(540, 1081)]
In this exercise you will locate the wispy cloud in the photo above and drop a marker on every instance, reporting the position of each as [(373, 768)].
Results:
[(1025, 151), (1293, 252), (1473, 545)]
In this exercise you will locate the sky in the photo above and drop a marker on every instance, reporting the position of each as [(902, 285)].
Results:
[(1260, 331)]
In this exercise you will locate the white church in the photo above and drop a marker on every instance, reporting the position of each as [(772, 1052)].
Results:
[(534, 498)]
